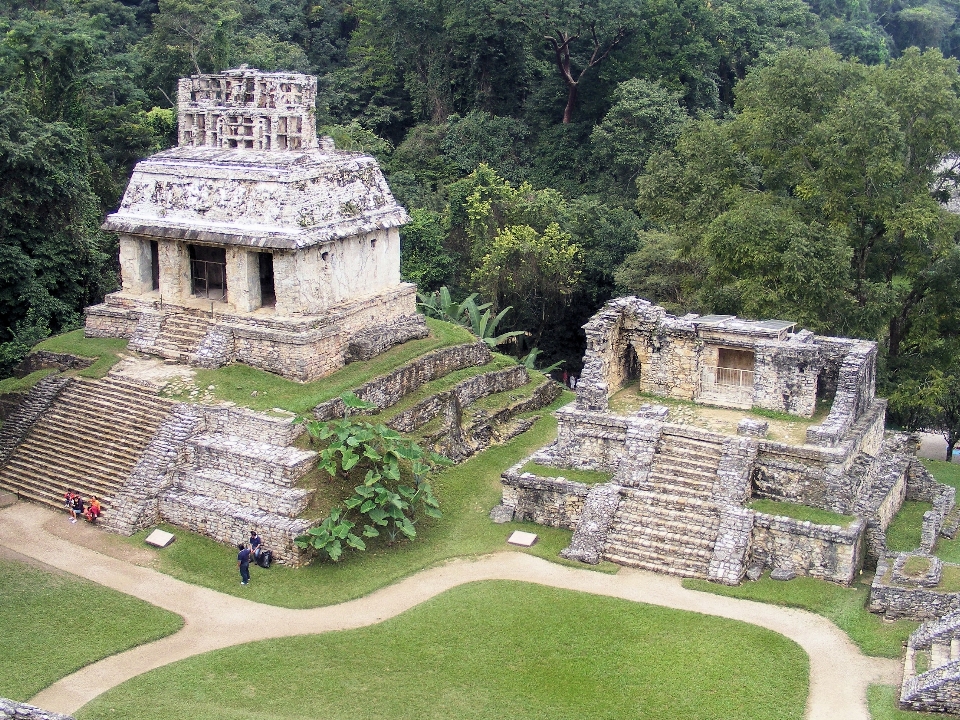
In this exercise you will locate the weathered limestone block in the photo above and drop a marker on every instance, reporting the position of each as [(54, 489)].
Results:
[(590, 538), (13, 710), (244, 457), (908, 601), (370, 342), (828, 552), (728, 564), (750, 427), (555, 502)]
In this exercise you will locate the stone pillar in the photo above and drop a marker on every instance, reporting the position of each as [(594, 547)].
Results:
[(135, 265), (286, 285), (243, 279), (174, 271)]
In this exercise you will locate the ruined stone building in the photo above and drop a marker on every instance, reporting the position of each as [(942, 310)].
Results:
[(678, 498), (253, 242)]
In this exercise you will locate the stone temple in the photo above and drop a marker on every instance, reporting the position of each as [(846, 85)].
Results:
[(683, 471), (252, 241)]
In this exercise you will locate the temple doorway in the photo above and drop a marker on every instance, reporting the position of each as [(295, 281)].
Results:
[(208, 272)]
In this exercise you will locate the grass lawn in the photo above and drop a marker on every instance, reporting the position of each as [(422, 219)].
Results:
[(14, 384), (54, 623), (800, 512), (467, 492), (947, 473), (237, 383), (846, 607), (587, 477), (903, 534), (106, 350), (882, 700), (490, 650)]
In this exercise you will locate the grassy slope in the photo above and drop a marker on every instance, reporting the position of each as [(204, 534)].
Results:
[(490, 650), (467, 492), (106, 350), (903, 534), (237, 383), (54, 624)]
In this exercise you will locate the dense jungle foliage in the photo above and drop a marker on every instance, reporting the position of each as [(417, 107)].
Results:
[(770, 158)]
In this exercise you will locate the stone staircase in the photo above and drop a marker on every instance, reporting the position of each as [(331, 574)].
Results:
[(180, 337), (670, 522), (88, 441), (935, 645), (240, 474)]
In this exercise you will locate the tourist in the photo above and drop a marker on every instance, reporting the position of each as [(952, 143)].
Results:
[(573, 382), (255, 544), (68, 502), (76, 507), (93, 509), (243, 562)]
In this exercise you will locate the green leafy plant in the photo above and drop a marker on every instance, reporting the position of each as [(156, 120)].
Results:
[(441, 305), (529, 361), (392, 493), (484, 324)]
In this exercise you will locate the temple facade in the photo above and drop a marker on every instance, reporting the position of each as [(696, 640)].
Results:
[(253, 241)]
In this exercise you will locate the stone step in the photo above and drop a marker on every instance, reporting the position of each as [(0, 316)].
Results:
[(251, 459), (666, 484), (672, 522), (110, 397), (243, 491), (231, 523), (683, 446), (52, 489), (657, 562), (658, 536), (44, 445), (87, 421), (669, 502), (684, 468)]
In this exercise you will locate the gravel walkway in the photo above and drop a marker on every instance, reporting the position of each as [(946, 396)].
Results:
[(839, 672)]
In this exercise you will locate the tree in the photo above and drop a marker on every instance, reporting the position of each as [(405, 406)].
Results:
[(645, 117), (932, 404), (536, 272), (579, 35)]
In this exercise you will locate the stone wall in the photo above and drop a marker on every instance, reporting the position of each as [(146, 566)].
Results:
[(828, 552), (370, 342), (466, 392), (44, 359), (586, 440), (555, 502), (137, 504), (301, 348), (818, 476), (13, 710), (387, 390), (855, 392), (786, 375), (37, 402), (896, 602)]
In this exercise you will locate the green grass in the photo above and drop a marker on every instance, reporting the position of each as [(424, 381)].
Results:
[(467, 492), (800, 512), (846, 607), (882, 700), (916, 566), (903, 534), (948, 550), (490, 650), (237, 383), (54, 624), (106, 350), (950, 579), (18, 385), (587, 477), (947, 473)]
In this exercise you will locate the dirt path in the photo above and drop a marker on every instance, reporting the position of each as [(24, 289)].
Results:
[(839, 672)]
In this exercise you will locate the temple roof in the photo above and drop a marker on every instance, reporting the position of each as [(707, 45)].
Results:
[(280, 200)]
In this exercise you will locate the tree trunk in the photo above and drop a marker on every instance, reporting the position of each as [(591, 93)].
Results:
[(950, 447), (571, 102)]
